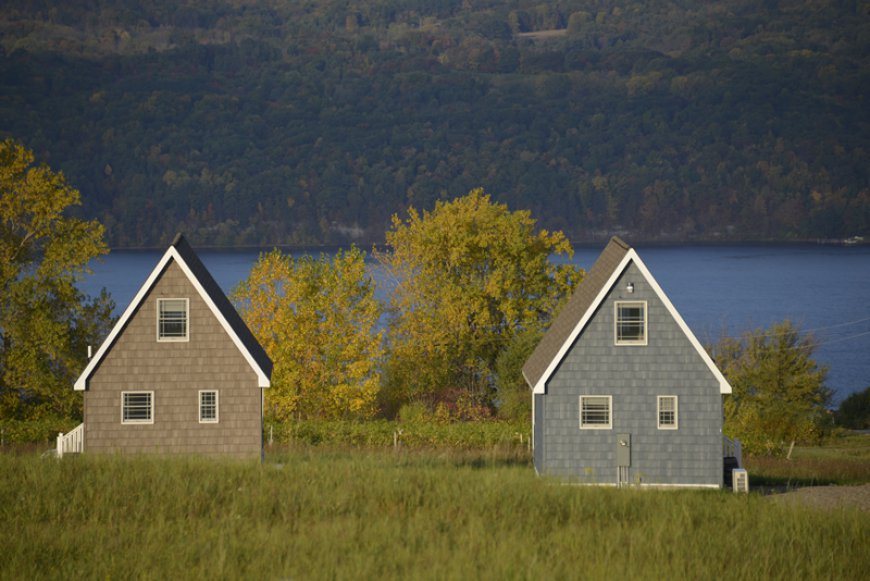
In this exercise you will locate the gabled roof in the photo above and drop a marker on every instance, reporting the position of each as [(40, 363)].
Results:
[(572, 319), (221, 307)]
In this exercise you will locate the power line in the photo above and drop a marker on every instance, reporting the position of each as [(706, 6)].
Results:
[(841, 339), (800, 331), (855, 322)]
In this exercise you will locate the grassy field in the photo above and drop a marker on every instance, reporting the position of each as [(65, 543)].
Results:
[(843, 459), (314, 513)]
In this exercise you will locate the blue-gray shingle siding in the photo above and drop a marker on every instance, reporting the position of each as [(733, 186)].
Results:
[(538, 429), (634, 376)]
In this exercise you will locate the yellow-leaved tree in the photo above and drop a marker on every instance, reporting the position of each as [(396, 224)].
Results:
[(468, 277), (318, 321), (46, 323)]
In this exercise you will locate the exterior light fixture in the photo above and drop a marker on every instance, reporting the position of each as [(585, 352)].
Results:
[(629, 287)]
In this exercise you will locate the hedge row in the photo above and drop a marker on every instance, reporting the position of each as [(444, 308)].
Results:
[(384, 433)]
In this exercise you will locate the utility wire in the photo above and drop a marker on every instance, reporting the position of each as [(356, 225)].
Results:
[(802, 331), (855, 322), (841, 339)]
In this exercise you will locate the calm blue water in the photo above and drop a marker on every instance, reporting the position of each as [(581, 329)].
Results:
[(717, 289)]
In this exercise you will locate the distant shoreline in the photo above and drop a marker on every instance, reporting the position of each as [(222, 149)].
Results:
[(585, 243)]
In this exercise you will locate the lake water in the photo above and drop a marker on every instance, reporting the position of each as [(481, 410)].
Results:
[(717, 289)]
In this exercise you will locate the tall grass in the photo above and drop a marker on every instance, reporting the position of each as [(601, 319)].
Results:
[(842, 459), (320, 513)]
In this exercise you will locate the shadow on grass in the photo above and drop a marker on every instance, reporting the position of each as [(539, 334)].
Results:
[(777, 484)]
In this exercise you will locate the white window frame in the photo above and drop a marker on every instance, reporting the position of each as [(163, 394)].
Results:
[(216, 417), (150, 407), (676, 424), (597, 426), (173, 339), (616, 321)]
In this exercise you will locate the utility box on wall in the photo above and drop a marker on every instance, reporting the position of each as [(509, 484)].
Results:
[(623, 450)]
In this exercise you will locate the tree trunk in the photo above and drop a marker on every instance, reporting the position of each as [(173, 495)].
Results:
[(790, 448)]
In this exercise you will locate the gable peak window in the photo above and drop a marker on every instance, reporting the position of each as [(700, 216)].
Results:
[(172, 319), (667, 412), (631, 322)]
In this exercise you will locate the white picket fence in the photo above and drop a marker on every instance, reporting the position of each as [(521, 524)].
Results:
[(72, 442)]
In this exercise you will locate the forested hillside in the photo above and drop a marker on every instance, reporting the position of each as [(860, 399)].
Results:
[(302, 122)]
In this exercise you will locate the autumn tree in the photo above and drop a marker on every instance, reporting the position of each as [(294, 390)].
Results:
[(46, 323), (468, 276), (318, 321), (779, 393)]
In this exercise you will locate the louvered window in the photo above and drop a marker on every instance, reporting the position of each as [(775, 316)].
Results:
[(595, 412), (137, 407), (172, 317)]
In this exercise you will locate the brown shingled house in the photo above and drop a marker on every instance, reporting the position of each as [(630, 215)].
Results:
[(180, 373)]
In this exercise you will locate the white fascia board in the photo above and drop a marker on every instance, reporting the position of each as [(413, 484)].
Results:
[(262, 378), (170, 254), (724, 386), (541, 386), (631, 256), (81, 383)]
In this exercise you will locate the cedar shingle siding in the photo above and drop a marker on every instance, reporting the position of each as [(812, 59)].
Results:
[(175, 372)]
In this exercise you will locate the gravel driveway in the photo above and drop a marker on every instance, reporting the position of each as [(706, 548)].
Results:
[(829, 497)]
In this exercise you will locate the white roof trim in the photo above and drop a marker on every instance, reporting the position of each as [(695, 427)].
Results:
[(631, 256), (170, 254)]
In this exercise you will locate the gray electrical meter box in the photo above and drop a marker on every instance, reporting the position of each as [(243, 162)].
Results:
[(623, 449)]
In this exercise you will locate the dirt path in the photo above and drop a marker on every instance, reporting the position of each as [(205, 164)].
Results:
[(829, 497)]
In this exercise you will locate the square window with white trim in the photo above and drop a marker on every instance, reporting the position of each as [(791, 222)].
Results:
[(172, 319), (208, 407), (595, 412), (668, 409), (630, 318), (137, 407)]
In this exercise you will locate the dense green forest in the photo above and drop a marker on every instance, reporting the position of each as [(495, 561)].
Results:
[(311, 122)]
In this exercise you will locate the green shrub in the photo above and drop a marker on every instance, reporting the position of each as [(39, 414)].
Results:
[(854, 411), (34, 431)]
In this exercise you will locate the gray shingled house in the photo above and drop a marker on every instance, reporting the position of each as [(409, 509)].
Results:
[(180, 372), (623, 392)]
